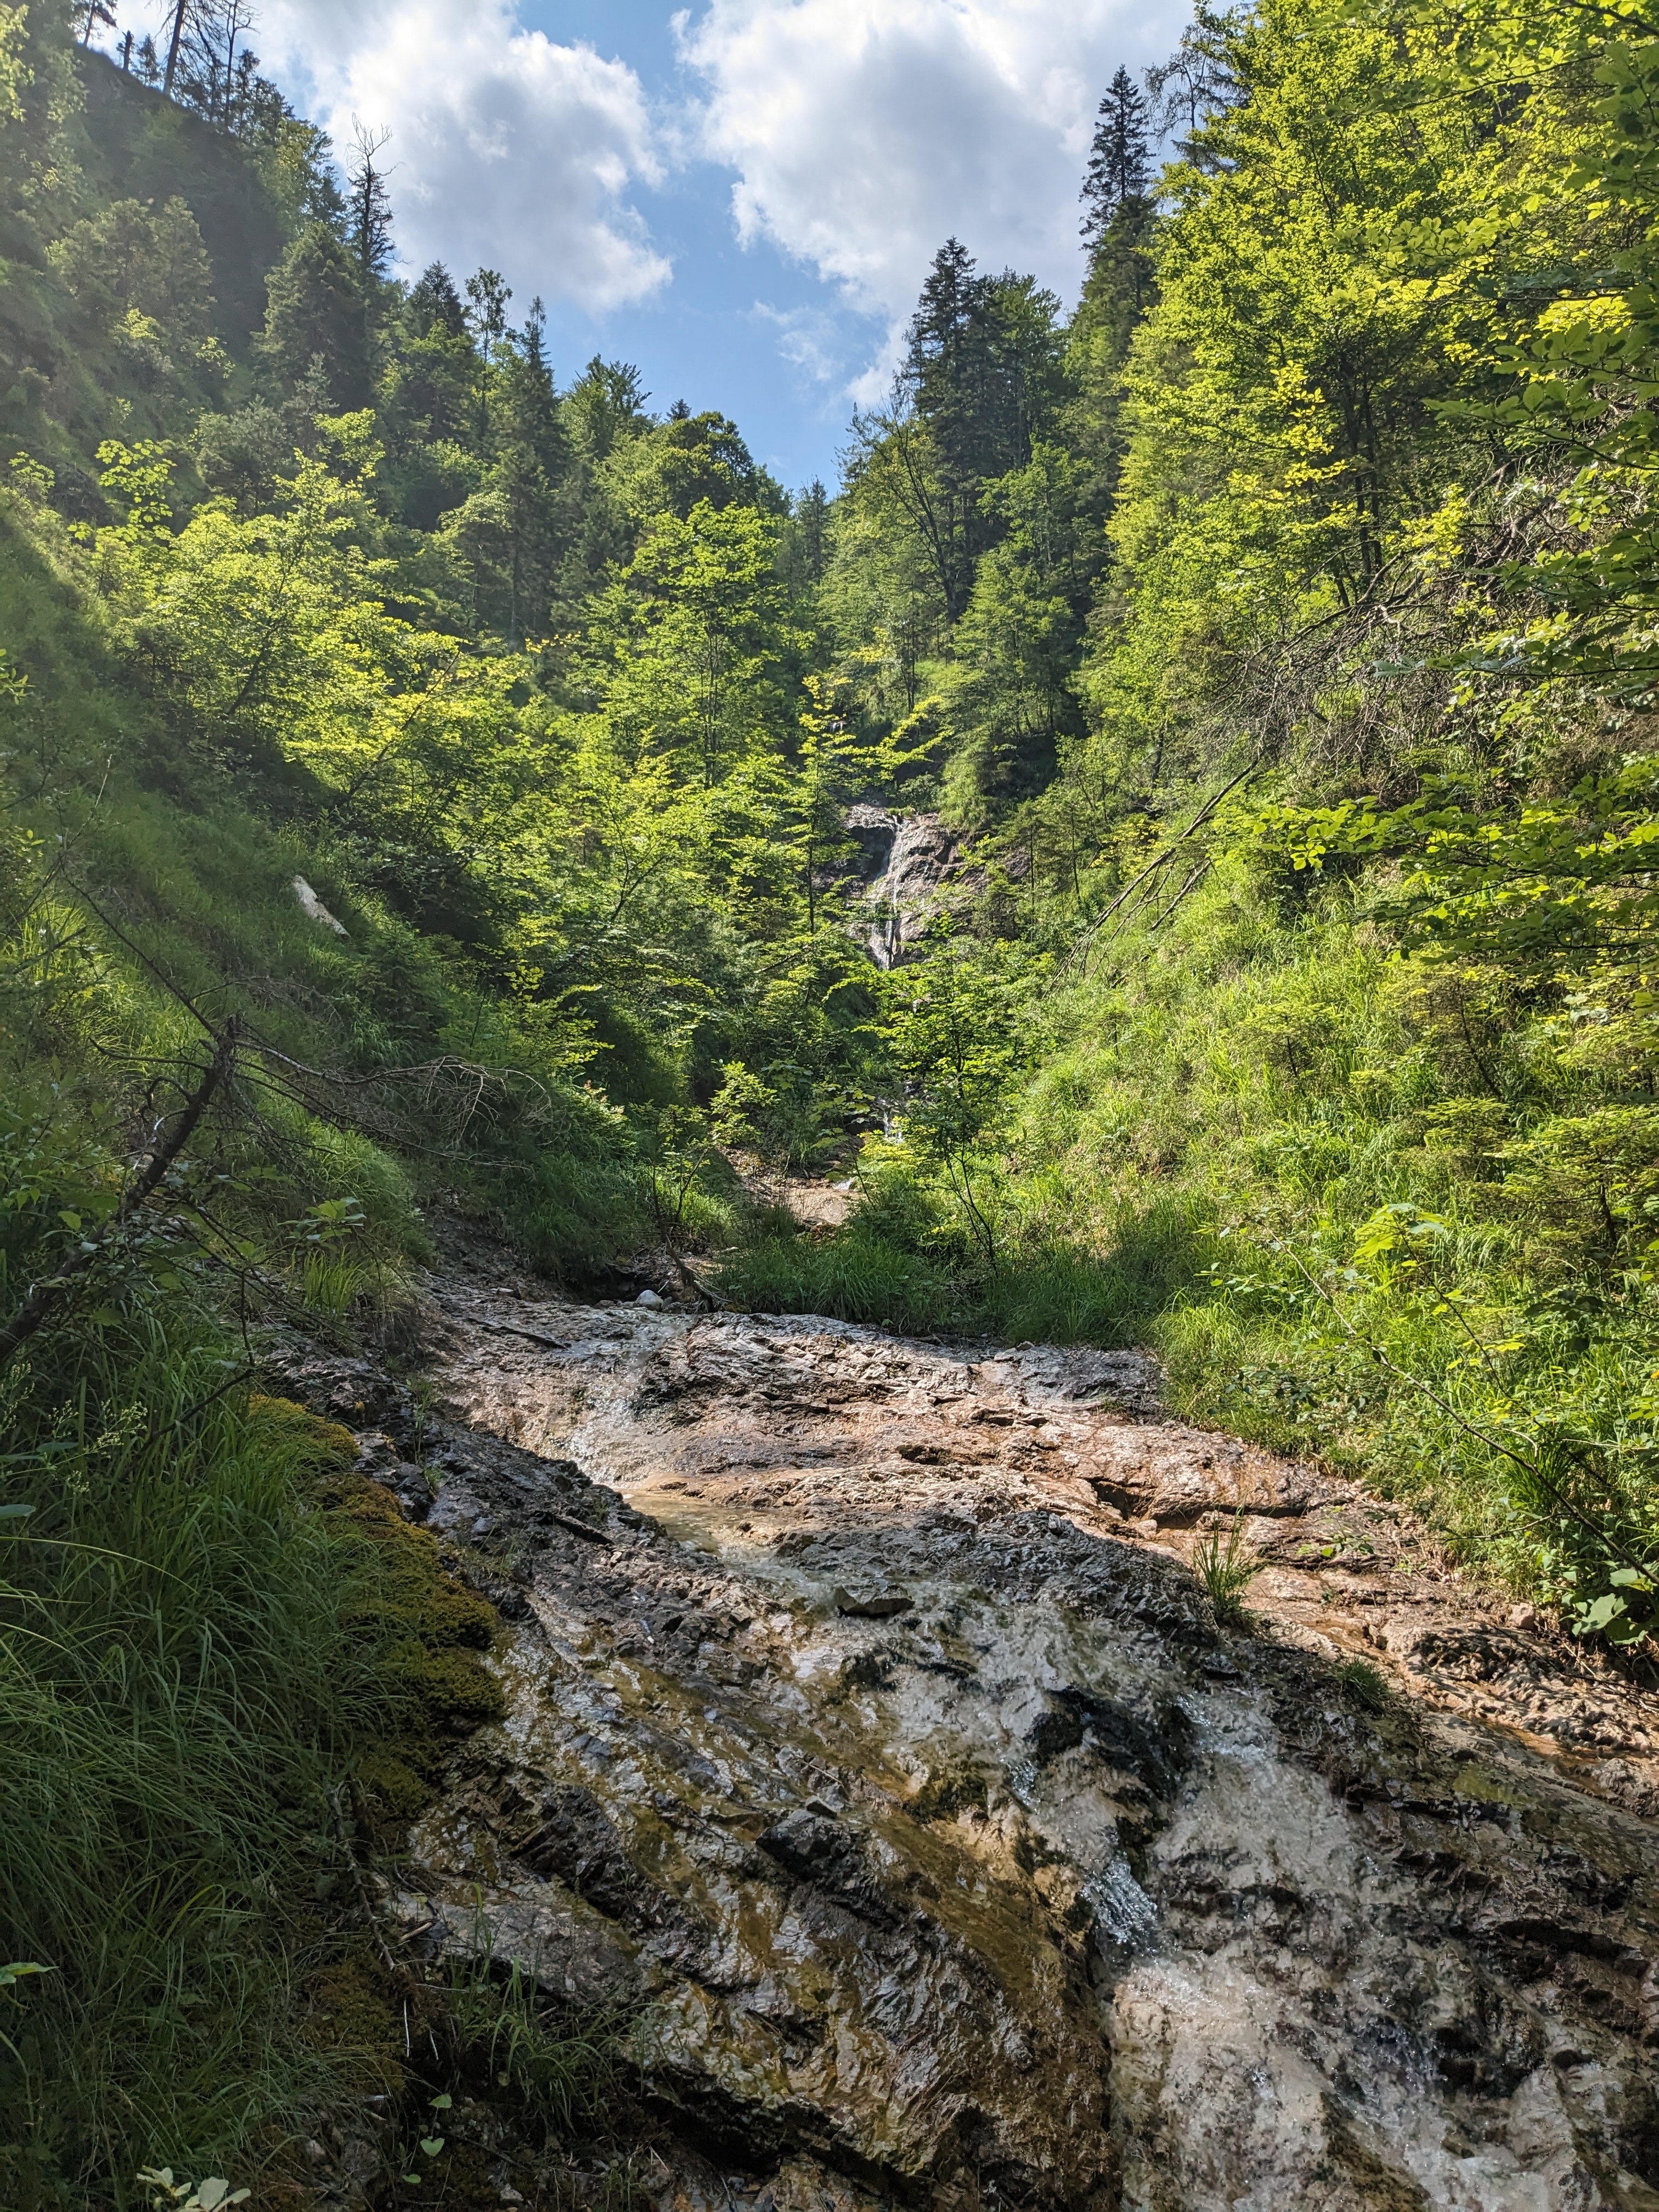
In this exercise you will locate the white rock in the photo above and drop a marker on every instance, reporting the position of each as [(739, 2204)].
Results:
[(647, 1298), (313, 908)]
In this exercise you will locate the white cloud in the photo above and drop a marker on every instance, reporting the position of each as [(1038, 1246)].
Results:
[(865, 132), (808, 338), (507, 150)]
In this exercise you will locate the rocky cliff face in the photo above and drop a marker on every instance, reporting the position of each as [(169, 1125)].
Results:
[(868, 1732), (909, 861)]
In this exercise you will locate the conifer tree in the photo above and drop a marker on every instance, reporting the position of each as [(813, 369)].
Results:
[(608, 401), (315, 313), (434, 304), (809, 535), (1120, 160), (487, 295), (531, 465), (1118, 218), (977, 384), (368, 213)]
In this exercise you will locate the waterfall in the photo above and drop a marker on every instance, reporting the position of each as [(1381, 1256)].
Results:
[(904, 897)]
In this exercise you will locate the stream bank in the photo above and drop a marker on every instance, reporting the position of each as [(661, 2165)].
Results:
[(868, 1739)]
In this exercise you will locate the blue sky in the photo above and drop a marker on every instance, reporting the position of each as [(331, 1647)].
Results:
[(743, 197)]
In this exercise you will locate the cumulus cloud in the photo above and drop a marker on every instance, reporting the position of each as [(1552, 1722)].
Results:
[(507, 149), (864, 132)]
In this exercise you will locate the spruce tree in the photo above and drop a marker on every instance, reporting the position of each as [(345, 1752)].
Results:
[(1118, 222), (315, 313), (812, 520), (368, 215), (1120, 161), (979, 377), (487, 295), (434, 304), (532, 463)]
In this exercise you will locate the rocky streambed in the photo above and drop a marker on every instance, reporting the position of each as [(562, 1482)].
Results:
[(870, 1738)]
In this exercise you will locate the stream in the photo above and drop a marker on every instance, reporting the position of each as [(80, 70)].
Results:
[(871, 1739)]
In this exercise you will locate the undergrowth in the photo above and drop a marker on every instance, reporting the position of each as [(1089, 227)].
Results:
[(1367, 1209), (182, 1696)]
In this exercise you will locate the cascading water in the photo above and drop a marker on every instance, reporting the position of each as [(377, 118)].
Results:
[(922, 856)]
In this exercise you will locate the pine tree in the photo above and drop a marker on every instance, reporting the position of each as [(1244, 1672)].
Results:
[(315, 313), (812, 517), (434, 304), (978, 381), (1120, 161), (488, 296), (369, 213), (1118, 222), (204, 55), (87, 15), (607, 401), (942, 333)]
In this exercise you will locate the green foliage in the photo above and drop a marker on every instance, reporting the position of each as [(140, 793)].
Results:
[(316, 313), (1281, 632), (179, 1698), (505, 2038), (959, 1030), (1347, 1099)]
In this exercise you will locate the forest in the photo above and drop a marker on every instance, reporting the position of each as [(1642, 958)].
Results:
[(429, 793)]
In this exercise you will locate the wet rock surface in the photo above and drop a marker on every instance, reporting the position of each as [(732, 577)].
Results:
[(870, 1738), (908, 864)]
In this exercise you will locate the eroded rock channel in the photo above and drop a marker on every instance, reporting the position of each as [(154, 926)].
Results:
[(868, 1733)]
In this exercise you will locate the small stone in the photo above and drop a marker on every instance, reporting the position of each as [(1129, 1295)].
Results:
[(647, 1298), (881, 1608), (1523, 1616)]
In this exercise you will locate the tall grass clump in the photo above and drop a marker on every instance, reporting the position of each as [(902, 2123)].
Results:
[(858, 1278), (180, 1704), (1226, 1567), (557, 2069)]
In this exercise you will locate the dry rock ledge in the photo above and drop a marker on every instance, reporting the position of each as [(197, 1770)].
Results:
[(868, 1735)]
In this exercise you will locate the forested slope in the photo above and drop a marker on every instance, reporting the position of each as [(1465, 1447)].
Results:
[(1274, 632)]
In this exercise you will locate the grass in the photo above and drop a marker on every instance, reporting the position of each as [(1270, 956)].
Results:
[(212, 1652), (1225, 1570), (1365, 1684), (852, 1277), (217, 1640), (898, 1263), (508, 2041), (179, 1698)]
